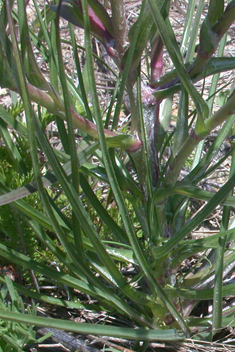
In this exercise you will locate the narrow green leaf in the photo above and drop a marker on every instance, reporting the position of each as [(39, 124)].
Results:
[(83, 328), (191, 192), (219, 267)]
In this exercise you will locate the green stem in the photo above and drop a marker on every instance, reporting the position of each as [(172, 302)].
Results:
[(193, 139), (221, 115), (127, 223), (210, 37)]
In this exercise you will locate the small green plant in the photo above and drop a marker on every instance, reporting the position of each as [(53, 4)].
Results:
[(14, 336), (129, 193), (15, 231)]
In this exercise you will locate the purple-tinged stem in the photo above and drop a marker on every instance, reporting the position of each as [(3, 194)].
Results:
[(55, 105), (156, 59)]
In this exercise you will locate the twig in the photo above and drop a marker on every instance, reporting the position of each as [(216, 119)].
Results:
[(66, 340)]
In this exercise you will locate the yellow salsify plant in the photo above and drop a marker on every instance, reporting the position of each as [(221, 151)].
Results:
[(129, 190)]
